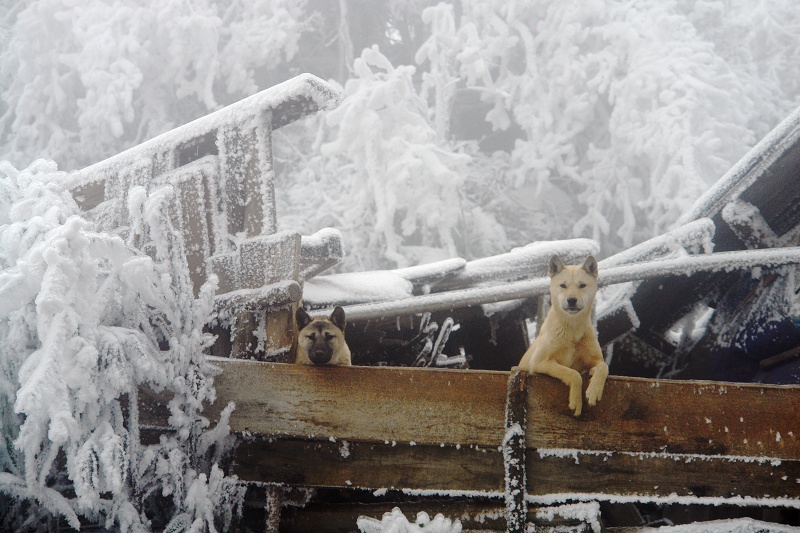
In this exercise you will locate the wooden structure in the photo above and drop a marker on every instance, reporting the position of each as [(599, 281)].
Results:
[(223, 207), (498, 449), (505, 441), (756, 205)]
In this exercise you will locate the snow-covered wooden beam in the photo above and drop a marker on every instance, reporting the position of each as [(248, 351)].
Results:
[(320, 251), (519, 263), (682, 266), (283, 104), (258, 299), (695, 234), (440, 432), (759, 161)]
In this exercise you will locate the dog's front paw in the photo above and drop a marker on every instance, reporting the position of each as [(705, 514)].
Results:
[(575, 402), (594, 393)]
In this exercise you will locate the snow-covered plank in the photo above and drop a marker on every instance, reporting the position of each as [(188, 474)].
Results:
[(642, 416), (682, 266), (320, 251), (269, 296), (285, 103), (565, 475), (554, 475), (514, 452), (258, 261), (355, 288), (520, 263), (195, 222), (762, 160), (245, 152), (696, 235), (432, 273), (746, 221)]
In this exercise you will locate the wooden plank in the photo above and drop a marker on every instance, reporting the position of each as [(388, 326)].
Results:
[(661, 478), (682, 269), (553, 476), (392, 465), (90, 194), (430, 431), (287, 102), (194, 208), (466, 407), (697, 417), (363, 403)]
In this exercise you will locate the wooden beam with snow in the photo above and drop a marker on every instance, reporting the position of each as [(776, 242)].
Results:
[(282, 104), (423, 430), (697, 234), (520, 263), (765, 177), (683, 266)]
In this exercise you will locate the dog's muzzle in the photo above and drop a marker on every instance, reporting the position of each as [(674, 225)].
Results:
[(320, 357), (572, 306)]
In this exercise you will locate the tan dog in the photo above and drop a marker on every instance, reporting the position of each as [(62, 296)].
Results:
[(320, 341), (567, 343)]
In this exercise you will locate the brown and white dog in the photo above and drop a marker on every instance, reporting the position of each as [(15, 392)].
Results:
[(320, 341), (567, 343)]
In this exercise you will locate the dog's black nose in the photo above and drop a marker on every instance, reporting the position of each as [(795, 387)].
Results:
[(320, 357), (572, 302)]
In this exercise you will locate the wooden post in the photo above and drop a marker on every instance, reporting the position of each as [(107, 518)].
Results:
[(514, 451), (272, 509)]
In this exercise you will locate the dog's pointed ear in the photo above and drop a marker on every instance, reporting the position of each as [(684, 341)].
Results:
[(303, 319), (337, 317), (556, 265), (590, 266)]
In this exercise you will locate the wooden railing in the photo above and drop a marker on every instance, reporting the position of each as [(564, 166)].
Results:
[(452, 432)]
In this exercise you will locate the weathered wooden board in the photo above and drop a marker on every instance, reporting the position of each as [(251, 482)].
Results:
[(363, 403), (372, 466), (467, 407), (700, 417), (569, 474), (442, 430)]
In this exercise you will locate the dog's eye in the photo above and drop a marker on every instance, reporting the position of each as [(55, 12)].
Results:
[(312, 336), (328, 336), (582, 285), (563, 285)]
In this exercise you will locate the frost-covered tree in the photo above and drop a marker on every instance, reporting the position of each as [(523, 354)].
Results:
[(616, 116), (601, 119), (84, 80), (628, 110), (384, 174), (85, 321)]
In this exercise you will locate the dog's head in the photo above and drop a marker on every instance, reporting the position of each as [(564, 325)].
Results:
[(321, 340), (573, 287)]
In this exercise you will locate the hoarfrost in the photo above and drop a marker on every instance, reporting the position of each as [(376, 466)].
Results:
[(396, 522), (85, 321)]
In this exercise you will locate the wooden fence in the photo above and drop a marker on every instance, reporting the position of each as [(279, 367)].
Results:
[(466, 433)]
